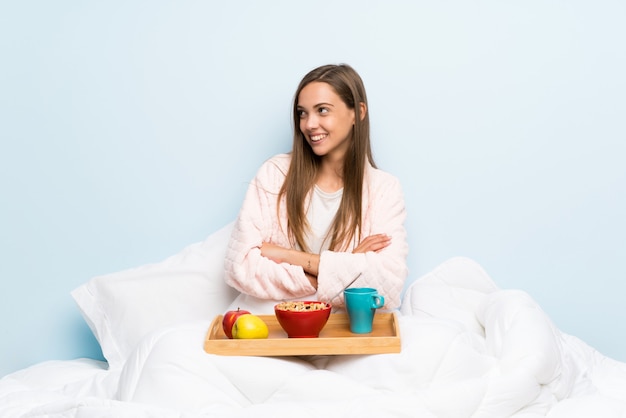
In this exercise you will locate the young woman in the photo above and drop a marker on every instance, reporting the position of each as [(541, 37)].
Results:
[(311, 222), (318, 217)]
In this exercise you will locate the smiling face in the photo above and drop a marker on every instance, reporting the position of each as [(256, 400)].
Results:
[(325, 120)]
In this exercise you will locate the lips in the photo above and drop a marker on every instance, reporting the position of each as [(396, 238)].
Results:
[(318, 137)]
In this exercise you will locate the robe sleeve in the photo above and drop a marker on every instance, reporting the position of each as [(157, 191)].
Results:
[(245, 268), (386, 270)]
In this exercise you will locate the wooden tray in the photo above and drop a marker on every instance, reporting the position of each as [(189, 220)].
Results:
[(334, 339)]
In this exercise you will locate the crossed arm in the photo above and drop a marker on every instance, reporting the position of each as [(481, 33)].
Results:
[(310, 262)]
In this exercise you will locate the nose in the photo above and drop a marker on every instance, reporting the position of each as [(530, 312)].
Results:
[(310, 122)]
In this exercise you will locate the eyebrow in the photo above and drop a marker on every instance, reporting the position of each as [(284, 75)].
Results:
[(318, 105)]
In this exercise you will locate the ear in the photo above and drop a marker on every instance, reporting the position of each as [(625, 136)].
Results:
[(363, 110)]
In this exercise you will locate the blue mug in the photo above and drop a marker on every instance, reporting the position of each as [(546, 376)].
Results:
[(361, 304)]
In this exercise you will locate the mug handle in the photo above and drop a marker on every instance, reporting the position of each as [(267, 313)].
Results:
[(378, 301)]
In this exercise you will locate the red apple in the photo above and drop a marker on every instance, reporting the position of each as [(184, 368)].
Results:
[(229, 320)]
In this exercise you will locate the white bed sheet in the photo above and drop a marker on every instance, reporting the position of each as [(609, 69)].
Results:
[(469, 349)]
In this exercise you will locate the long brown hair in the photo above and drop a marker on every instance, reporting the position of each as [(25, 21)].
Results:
[(302, 173)]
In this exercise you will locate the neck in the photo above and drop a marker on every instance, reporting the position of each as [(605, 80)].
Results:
[(330, 175)]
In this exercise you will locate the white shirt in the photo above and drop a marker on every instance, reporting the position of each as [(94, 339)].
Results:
[(322, 209)]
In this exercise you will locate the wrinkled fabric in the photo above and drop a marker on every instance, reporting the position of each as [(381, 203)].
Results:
[(468, 350)]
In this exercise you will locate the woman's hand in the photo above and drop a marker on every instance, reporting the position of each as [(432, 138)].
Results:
[(373, 243), (312, 280), (309, 262), (274, 252)]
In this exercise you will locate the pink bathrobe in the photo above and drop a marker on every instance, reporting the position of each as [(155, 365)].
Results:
[(251, 273)]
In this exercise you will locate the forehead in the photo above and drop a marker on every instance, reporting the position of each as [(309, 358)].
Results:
[(317, 92)]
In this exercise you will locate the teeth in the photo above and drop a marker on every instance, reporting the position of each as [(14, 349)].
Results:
[(316, 138)]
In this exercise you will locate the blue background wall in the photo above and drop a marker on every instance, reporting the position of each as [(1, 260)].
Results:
[(129, 130)]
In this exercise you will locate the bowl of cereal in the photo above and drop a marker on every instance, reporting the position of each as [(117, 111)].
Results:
[(302, 319)]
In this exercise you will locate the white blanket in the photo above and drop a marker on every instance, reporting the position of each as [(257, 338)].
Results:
[(469, 349)]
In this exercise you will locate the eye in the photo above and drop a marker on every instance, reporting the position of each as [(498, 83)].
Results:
[(301, 113), (323, 110)]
